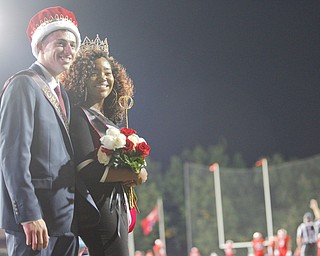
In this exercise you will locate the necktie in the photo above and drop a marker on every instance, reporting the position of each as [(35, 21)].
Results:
[(58, 92)]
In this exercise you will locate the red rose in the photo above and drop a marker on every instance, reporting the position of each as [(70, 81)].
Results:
[(129, 146), (143, 149), (128, 131)]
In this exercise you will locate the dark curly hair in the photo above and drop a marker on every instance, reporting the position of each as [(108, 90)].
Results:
[(74, 81)]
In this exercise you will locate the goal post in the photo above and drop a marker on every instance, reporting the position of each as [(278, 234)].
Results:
[(215, 168)]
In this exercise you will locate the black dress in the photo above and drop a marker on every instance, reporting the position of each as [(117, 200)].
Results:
[(110, 236)]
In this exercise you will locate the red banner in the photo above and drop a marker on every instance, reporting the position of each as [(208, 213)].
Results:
[(148, 222)]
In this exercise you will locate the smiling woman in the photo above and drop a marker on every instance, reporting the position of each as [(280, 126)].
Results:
[(96, 82)]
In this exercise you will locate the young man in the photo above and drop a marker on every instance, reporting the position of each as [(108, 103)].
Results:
[(37, 176)]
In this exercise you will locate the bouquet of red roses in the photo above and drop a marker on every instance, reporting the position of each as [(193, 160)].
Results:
[(123, 149)]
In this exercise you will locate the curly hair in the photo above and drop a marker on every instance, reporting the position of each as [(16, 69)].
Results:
[(75, 78)]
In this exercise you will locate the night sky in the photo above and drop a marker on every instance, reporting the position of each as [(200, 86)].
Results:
[(243, 72)]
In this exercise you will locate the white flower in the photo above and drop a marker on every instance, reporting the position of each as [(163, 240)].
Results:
[(120, 141), (142, 140), (134, 138), (112, 131), (103, 158), (113, 139)]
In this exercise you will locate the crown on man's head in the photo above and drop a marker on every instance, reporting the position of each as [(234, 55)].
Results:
[(49, 20), (96, 44)]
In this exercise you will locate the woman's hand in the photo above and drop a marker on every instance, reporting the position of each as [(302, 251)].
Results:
[(138, 178), (127, 176), (142, 176)]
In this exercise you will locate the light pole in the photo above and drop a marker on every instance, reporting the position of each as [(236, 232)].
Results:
[(186, 168)]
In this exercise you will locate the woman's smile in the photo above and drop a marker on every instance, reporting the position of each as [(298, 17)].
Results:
[(101, 81)]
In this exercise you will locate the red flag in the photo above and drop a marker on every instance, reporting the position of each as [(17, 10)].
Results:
[(213, 167), (148, 222), (259, 163)]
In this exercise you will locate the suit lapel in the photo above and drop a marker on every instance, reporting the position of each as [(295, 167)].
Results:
[(49, 95), (41, 81)]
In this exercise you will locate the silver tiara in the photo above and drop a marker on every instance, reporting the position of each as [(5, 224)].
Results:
[(96, 44)]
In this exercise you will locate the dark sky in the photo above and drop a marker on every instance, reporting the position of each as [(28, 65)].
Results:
[(246, 72)]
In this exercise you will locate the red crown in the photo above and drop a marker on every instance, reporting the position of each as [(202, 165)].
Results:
[(48, 21), (47, 16)]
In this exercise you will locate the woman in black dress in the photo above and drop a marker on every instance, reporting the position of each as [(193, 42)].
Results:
[(95, 82)]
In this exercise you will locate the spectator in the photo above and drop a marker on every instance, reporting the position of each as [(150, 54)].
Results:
[(158, 248)]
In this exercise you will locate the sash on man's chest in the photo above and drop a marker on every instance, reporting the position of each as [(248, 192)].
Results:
[(46, 92)]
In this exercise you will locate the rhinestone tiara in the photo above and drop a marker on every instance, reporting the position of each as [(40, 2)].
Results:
[(96, 44)]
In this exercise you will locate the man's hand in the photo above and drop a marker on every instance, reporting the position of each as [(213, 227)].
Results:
[(36, 234), (313, 204)]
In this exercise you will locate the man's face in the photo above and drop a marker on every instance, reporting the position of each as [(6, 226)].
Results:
[(57, 51)]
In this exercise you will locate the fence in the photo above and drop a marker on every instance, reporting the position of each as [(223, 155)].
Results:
[(292, 185)]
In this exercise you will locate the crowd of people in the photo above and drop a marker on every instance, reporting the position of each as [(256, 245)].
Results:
[(53, 185), (307, 238), (278, 245), (158, 249)]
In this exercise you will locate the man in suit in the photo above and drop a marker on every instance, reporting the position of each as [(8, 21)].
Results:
[(37, 174)]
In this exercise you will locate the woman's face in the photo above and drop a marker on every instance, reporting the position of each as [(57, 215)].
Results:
[(100, 83)]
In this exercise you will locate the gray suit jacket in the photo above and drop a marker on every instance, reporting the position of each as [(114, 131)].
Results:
[(37, 174)]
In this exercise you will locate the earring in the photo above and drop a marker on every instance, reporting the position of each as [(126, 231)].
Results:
[(115, 100)]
